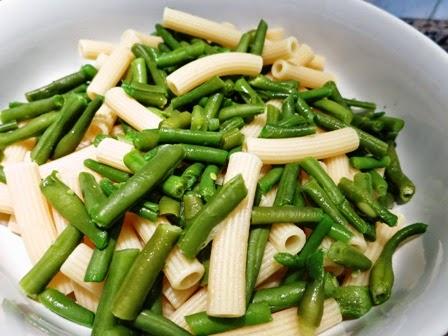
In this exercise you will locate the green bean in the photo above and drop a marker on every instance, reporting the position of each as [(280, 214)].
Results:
[(276, 132), (91, 192), (207, 187), (203, 101), (70, 206), (63, 84), (74, 136), (247, 92), (298, 200), (169, 207), (336, 95), (292, 121), (119, 267), (391, 126), (139, 73), (316, 94), (359, 103), (192, 173), (157, 325), (259, 38), (174, 186), (134, 160), (214, 102), (243, 44), (73, 107), (370, 143), (288, 108), (282, 297), (146, 213), (354, 219), (311, 245), (213, 124), (354, 301), (198, 120), (404, 187), (304, 109), (262, 82), (152, 173), (167, 37), (205, 154), (273, 115), (181, 55), (202, 325), (287, 185), (311, 307), (366, 162), (235, 122), (236, 149), (348, 256), (271, 178), (8, 126), (143, 272), (285, 214), (107, 171), (382, 275), (2, 174), (334, 109), (240, 110), (366, 123), (33, 109), (35, 281), (364, 181), (379, 184), (293, 276), (34, 127), (147, 54), (211, 86), (331, 285), (258, 238), (60, 304), (192, 205), (153, 301), (232, 139), (365, 202), (315, 265), (225, 200), (227, 91), (15, 104), (145, 94), (181, 120), (120, 330), (268, 95), (107, 187)]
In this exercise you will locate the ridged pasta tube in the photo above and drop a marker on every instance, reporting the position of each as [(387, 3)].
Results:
[(302, 56), (195, 304), (174, 296), (254, 128), (91, 49), (182, 272), (167, 308), (111, 152), (282, 49), (338, 167), (309, 78), (287, 237), (100, 60), (102, 123), (275, 33), (268, 264), (317, 63), (61, 283), (144, 227), (85, 298), (5, 200), (13, 226), (320, 146), (16, 152), (128, 238)]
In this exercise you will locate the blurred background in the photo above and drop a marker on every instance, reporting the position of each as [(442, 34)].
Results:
[(428, 16)]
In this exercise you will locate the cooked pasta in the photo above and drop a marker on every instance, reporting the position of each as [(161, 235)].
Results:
[(317, 63), (181, 272), (5, 200), (85, 298), (282, 49), (128, 239), (275, 33), (195, 304), (91, 49), (308, 77), (177, 297), (111, 152), (268, 265), (287, 237), (302, 56)]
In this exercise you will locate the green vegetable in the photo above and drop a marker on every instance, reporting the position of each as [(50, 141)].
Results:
[(157, 325), (348, 256), (404, 187), (205, 154), (240, 110), (366, 163), (281, 297), (354, 301), (32, 110), (259, 38), (107, 171)]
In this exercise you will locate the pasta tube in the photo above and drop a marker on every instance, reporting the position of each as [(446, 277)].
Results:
[(309, 78), (100, 60), (91, 49), (85, 298), (268, 265), (182, 272), (282, 49), (303, 56), (111, 152), (174, 296), (195, 304), (339, 167), (102, 123), (287, 237), (275, 33), (317, 63), (5, 200), (128, 238)]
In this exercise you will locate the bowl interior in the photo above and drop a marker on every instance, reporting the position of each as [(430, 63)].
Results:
[(374, 57)]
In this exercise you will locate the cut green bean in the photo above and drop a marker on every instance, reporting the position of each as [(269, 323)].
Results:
[(119, 267), (2, 174), (266, 183), (282, 297), (207, 183), (107, 171), (224, 201), (248, 94), (277, 132), (198, 120), (139, 73), (60, 304), (294, 120), (353, 218), (211, 86), (336, 95), (144, 271), (273, 115), (288, 106), (235, 122), (262, 82), (382, 274), (304, 109), (336, 110), (174, 186), (74, 136), (367, 163), (259, 38), (214, 102), (33, 128), (91, 192), (35, 281), (73, 107), (331, 284), (202, 325), (285, 214), (205, 154), (148, 54), (15, 104), (243, 44), (192, 173), (167, 37), (180, 120), (258, 238), (192, 205), (232, 139), (152, 173), (62, 85), (154, 324), (298, 200), (311, 308), (348, 256), (181, 55), (120, 330), (379, 184), (316, 94), (169, 207), (287, 185), (361, 104), (354, 301), (9, 126), (240, 110), (146, 94), (364, 181), (33, 109), (134, 160), (70, 206), (404, 187)]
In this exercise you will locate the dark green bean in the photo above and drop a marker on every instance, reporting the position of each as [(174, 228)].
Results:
[(287, 185), (288, 106), (336, 95), (235, 122), (207, 186), (60, 304), (364, 181), (167, 37), (404, 187), (181, 55), (74, 136), (157, 325), (232, 139), (366, 162), (205, 154), (35, 281), (259, 38), (316, 94), (331, 284), (192, 173), (70, 206), (282, 297), (353, 218), (240, 110), (174, 186), (169, 207), (120, 330), (354, 301), (334, 109), (359, 103), (64, 84), (285, 214), (268, 181), (152, 173), (213, 123), (224, 201), (214, 102), (107, 171), (15, 104), (273, 115), (243, 44), (379, 184), (211, 86), (148, 54), (275, 132), (298, 200), (143, 272), (192, 205), (134, 160), (348, 256), (145, 94), (180, 120), (139, 73), (303, 109), (33, 109), (247, 92), (91, 192), (382, 274), (292, 121), (262, 82)]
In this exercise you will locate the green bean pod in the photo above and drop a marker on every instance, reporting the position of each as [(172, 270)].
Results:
[(243, 44), (285, 214), (277, 132), (287, 185), (240, 110), (207, 187), (262, 82), (400, 182), (192, 173), (259, 38), (107, 171), (316, 94), (336, 110), (148, 95), (139, 74), (273, 115), (281, 297), (180, 120), (205, 154), (379, 184), (157, 325), (348, 256), (354, 301), (366, 163), (180, 55), (148, 54), (311, 308), (33, 109), (167, 37), (292, 121), (361, 104), (134, 160), (214, 102), (248, 94), (174, 186)]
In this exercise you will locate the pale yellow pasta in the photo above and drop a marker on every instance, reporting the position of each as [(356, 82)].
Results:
[(5, 200), (16, 152), (111, 72), (102, 123), (268, 264), (131, 36), (199, 71), (275, 33), (30, 207), (174, 296), (12, 225), (275, 102), (329, 265), (320, 146), (274, 280), (130, 110), (338, 167), (61, 283), (309, 78), (86, 298), (287, 237), (182, 272), (282, 49), (268, 199), (254, 128), (111, 152), (200, 27), (144, 227), (195, 304), (117, 130), (75, 267), (317, 63), (302, 56), (331, 316), (91, 49), (357, 240), (100, 60), (128, 239), (167, 308), (226, 280), (228, 25)]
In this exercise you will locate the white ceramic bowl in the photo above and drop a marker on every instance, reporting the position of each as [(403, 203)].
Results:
[(374, 55)]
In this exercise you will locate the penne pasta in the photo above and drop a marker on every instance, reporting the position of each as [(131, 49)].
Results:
[(167, 308), (5, 200), (182, 272), (287, 237), (61, 283), (275, 33), (130, 110), (128, 239), (317, 63), (86, 298), (199, 71), (254, 128), (338, 167), (12, 225), (111, 152), (274, 280), (268, 265), (282, 49), (177, 297), (226, 280), (102, 123), (320, 146), (302, 56), (195, 304), (91, 49), (17, 151), (307, 77), (100, 60), (144, 227), (131, 36)]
